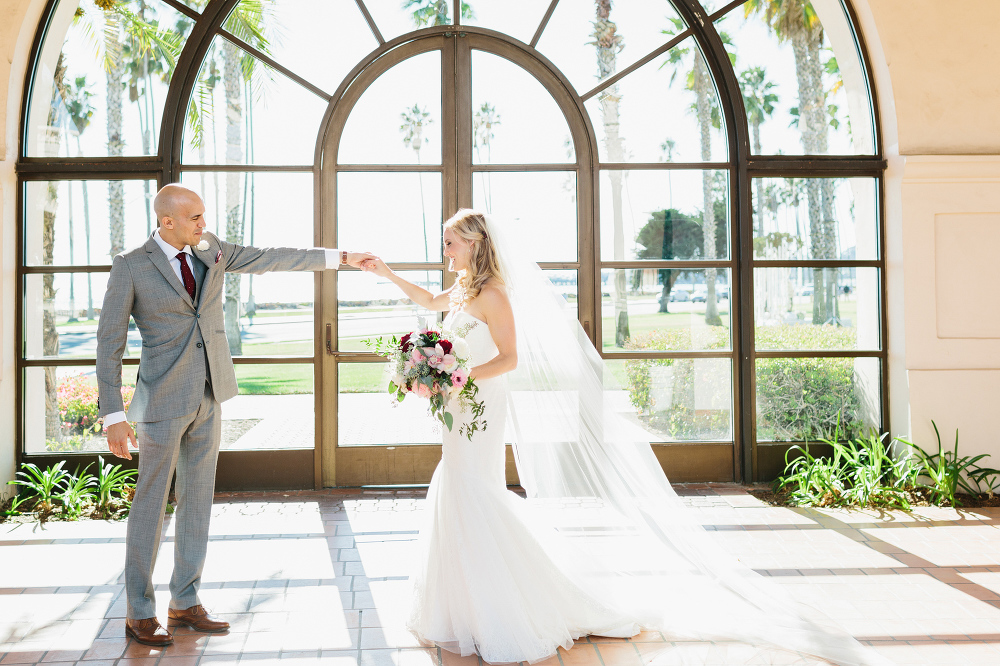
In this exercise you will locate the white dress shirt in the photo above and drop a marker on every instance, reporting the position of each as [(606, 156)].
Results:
[(332, 261)]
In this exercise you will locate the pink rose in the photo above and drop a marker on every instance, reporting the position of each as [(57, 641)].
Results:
[(416, 356), (423, 391)]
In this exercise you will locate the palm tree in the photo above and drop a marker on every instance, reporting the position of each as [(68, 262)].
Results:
[(241, 75), (114, 30), (609, 44), (483, 122), (414, 121), (699, 81), (434, 12), (79, 111), (796, 22), (667, 148), (50, 334), (759, 103)]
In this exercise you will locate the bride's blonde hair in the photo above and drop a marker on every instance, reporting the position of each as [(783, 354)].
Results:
[(484, 264)]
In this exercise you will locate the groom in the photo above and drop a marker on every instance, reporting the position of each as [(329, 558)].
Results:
[(172, 287)]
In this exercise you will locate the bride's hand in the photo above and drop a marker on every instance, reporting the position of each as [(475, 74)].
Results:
[(376, 266)]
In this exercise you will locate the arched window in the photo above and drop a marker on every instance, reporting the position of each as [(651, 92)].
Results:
[(702, 180)]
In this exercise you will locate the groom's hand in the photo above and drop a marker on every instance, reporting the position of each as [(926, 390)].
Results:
[(119, 436), (355, 258)]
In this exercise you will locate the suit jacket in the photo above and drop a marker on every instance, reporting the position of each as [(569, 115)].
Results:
[(183, 339)]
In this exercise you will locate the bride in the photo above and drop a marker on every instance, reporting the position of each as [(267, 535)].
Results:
[(602, 545)]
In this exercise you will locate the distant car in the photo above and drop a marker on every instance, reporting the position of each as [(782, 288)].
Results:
[(805, 291), (722, 291), (680, 295), (699, 297)]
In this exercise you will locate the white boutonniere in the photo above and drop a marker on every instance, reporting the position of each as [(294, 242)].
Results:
[(202, 246)]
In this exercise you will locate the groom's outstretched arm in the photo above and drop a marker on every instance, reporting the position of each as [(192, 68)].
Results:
[(247, 259)]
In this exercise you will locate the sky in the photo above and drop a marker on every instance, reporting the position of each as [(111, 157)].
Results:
[(386, 213)]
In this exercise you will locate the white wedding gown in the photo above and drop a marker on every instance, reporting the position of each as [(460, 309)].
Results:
[(602, 545), (486, 581), (513, 579)]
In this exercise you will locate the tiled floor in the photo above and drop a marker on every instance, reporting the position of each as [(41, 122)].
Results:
[(320, 577)]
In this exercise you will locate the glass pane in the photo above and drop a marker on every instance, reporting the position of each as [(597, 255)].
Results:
[(275, 408), (266, 209), (235, 107), (802, 399), (774, 53), (397, 17), (666, 111), (569, 38), (275, 314), (61, 311), (366, 416), (370, 306), (514, 118), (395, 215), (78, 114), (60, 409), (660, 214), (641, 313), (815, 218), (566, 283), (397, 120), (74, 216), (817, 308), (517, 18), (539, 206), (298, 36), (677, 399)]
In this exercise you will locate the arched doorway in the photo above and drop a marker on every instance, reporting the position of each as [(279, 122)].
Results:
[(718, 230)]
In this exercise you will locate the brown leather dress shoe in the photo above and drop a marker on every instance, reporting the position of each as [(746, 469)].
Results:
[(198, 619), (148, 631)]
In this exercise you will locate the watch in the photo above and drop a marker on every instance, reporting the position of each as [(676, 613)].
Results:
[(343, 257)]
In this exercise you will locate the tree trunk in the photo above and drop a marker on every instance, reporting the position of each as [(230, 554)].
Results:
[(608, 43), (233, 81), (810, 126), (702, 88), (759, 181), (116, 143)]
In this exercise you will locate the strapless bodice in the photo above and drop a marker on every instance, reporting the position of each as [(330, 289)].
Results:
[(475, 333)]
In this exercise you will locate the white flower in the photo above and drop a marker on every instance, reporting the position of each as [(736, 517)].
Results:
[(202, 246), (460, 348)]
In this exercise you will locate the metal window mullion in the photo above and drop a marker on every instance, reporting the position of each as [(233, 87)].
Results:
[(652, 264), (664, 166)]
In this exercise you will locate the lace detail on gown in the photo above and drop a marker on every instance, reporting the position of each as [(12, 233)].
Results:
[(487, 579)]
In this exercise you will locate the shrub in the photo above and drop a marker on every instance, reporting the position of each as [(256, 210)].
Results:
[(680, 420), (801, 399), (77, 398), (797, 398)]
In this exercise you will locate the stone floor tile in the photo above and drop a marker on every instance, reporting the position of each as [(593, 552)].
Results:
[(23, 657), (451, 659), (623, 654), (106, 648)]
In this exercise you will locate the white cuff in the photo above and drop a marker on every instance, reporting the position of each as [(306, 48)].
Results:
[(113, 418), (332, 258)]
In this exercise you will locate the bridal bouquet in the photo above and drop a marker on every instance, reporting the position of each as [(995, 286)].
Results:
[(433, 364)]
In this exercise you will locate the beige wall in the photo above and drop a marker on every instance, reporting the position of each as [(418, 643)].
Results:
[(939, 99)]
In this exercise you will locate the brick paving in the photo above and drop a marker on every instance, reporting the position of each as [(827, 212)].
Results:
[(321, 577)]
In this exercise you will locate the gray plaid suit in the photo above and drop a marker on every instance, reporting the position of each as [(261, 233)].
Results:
[(185, 371)]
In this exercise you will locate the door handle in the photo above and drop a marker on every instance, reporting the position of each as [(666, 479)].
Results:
[(329, 340)]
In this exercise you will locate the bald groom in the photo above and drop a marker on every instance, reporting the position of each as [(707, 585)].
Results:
[(172, 287)]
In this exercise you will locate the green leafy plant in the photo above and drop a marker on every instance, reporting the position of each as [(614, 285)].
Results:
[(43, 484), (111, 481), (77, 492), (948, 472), (13, 506)]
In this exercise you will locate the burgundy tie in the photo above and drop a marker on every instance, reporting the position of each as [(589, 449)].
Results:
[(186, 275)]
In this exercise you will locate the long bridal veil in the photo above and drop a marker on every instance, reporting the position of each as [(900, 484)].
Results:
[(624, 535)]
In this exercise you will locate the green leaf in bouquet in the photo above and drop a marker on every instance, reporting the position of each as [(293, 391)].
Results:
[(392, 387), (449, 420)]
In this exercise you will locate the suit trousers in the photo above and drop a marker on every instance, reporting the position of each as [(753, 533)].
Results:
[(189, 444)]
